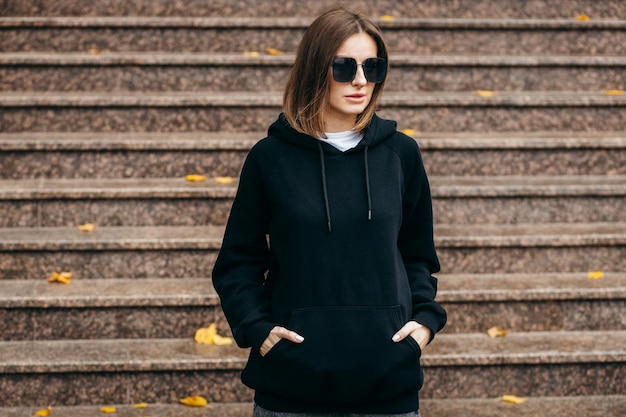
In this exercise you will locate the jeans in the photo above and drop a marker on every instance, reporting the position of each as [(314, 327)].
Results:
[(262, 412)]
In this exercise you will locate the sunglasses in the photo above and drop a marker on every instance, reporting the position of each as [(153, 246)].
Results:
[(374, 69)]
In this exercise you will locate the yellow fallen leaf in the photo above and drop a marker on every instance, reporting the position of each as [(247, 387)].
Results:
[(223, 180), (485, 93), (140, 405), (614, 92), (582, 17), (44, 413), (62, 278), (94, 51), (208, 336), (273, 51), (194, 401), (595, 275), (514, 399), (108, 410), (408, 132), (205, 335), (222, 340), (496, 331), (386, 18), (87, 227), (251, 53), (195, 178)]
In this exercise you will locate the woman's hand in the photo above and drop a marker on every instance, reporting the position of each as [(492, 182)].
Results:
[(274, 337), (417, 331)]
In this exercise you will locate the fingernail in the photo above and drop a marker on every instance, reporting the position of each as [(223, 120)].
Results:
[(300, 338), (395, 337)]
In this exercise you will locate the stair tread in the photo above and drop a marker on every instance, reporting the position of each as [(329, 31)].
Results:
[(274, 99), (286, 59), (209, 237), (472, 349), (133, 292), (51, 141), (567, 406), (301, 22), (452, 186)]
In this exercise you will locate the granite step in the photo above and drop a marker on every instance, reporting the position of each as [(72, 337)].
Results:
[(472, 365), (177, 202), (238, 34), (533, 302), (236, 72), (117, 155), (241, 111), (536, 9), (569, 406), (126, 308), (189, 251)]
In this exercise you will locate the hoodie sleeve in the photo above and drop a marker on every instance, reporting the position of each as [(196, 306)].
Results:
[(416, 243), (241, 265)]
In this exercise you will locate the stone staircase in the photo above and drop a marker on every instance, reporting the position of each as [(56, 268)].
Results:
[(106, 106)]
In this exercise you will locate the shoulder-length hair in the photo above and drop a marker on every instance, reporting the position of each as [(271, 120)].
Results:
[(306, 95)]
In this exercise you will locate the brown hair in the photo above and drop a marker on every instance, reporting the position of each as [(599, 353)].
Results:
[(307, 89)]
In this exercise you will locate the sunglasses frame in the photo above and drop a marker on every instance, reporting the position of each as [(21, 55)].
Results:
[(351, 63)]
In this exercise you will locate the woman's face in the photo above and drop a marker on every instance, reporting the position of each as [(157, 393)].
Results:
[(349, 99)]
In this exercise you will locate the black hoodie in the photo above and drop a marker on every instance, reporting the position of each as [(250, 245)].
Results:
[(337, 246)]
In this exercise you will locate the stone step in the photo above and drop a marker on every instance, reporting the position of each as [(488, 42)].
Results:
[(189, 251), (469, 365), (117, 155), (108, 309), (533, 302), (239, 34), (567, 406), (176, 202), (242, 111), (236, 72), (537, 9), (126, 308)]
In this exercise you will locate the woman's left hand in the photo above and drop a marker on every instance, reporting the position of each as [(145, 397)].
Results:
[(417, 331)]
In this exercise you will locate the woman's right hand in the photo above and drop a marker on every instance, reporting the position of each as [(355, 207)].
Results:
[(274, 337)]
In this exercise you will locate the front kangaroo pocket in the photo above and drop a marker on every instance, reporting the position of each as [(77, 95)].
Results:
[(347, 356)]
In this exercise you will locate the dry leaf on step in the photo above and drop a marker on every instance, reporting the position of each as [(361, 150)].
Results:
[(140, 405), (595, 275), (614, 92), (208, 336), (273, 51), (496, 331), (485, 93), (582, 18), (44, 413), (62, 278), (194, 401), (223, 180), (108, 410), (408, 132), (251, 54), (386, 18), (514, 399), (87, 227), (195, 178)]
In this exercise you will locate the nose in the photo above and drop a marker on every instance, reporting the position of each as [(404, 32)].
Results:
[(359, 77)]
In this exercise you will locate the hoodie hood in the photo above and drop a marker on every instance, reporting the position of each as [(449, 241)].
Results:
[(376, 133)]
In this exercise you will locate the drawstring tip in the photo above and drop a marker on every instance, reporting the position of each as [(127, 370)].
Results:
[(329, 228), (369, 214)]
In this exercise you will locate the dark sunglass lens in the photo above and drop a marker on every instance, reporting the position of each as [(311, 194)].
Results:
[(344, 69), (375, 69)]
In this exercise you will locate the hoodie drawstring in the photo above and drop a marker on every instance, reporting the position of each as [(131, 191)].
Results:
[(325, 189), (319, 145), (367, 186)]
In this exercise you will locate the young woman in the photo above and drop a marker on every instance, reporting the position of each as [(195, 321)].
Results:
[(325, 268)]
